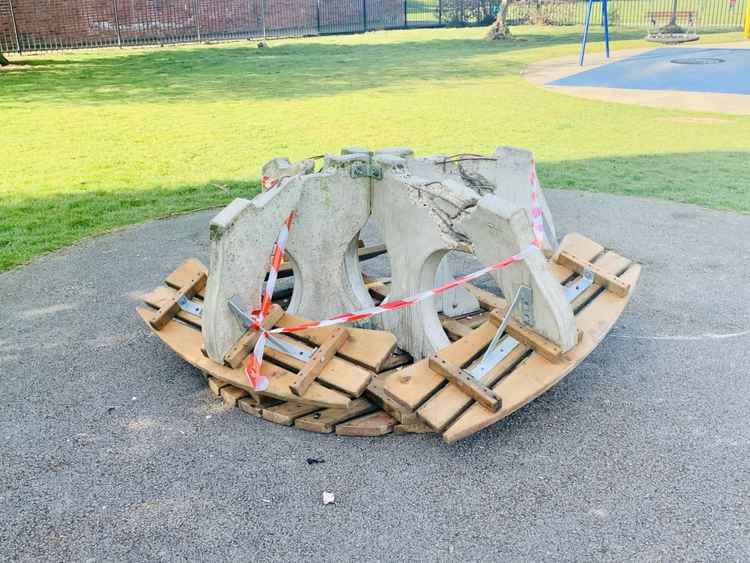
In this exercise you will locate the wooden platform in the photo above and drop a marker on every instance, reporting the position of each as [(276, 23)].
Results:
[(367, 389)]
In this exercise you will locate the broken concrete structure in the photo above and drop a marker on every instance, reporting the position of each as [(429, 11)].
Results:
[(424, 208)]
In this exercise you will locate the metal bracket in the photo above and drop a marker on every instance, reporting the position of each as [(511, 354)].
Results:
[(526, 304), (581, 285), (494, 353), (286, 347), (366, 170), (190, 306), (239, 312)]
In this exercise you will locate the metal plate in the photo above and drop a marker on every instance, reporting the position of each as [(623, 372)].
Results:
[(189, 306), (286, 347)]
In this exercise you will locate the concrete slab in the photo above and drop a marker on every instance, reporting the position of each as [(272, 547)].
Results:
[(114, 449)]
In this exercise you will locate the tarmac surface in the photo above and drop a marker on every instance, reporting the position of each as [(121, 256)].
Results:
[(113, 449)]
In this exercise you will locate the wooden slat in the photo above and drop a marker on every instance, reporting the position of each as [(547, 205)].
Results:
[(246, 342), (525, 335), (169, 309), (369, 348), (163, 294), (231, 394), (454, 329), (339, 373), (581, 246), (326, 420), (449, 402), (186, 342), (287, 413), (396, 360), (465, 382), (413, 428), (375, 424), (602, 278), (487, 300), (535, 375), (318, 361), (376, 393), (215, 385), (188, 269), (255, 407)]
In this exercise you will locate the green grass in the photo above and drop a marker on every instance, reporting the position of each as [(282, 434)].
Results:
[(92, 141)]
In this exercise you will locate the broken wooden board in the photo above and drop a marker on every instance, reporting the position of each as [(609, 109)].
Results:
[(231, 394), (186, 342), (326, 420), (318, 361), (375, 424), (286, 413)]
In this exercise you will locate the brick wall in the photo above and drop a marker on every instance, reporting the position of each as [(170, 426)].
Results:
[(49, 24)]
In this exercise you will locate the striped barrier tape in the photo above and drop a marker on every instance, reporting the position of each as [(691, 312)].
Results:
[(255, 360)]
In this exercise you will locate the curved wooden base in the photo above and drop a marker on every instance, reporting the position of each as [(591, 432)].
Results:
[(350, 400)]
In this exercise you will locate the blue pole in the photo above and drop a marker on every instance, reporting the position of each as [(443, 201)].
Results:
[(585, 37), (605, 20)]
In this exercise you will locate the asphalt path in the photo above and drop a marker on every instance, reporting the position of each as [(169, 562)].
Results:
[(113, 449)]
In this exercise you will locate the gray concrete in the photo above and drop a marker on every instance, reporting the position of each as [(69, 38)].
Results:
[(107, 451)]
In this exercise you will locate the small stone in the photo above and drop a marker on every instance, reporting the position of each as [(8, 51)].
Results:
[(328, 498)]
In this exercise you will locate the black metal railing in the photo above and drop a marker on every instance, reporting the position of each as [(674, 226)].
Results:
[(30, 25)]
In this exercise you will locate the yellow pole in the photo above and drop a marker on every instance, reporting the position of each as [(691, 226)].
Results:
[(747, 21)]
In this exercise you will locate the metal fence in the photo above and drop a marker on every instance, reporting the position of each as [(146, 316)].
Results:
[(33, 25)]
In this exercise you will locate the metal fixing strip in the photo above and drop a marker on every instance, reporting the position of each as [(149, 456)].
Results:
[(286, 347), (239, 312), (495, 354), (190, 306)]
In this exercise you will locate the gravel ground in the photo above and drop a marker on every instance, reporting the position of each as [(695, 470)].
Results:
[(113, 448)]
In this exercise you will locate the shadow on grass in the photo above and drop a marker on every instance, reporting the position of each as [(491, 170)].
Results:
[(288, 70), (31, 226)]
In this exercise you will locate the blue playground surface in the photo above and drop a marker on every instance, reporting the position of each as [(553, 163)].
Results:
[(725, 71)]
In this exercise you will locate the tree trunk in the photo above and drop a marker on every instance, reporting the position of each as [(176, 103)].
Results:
[(3, 60), (499, 29)]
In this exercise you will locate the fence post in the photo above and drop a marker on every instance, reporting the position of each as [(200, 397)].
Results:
[(117, 23), (263, 17), (15, 29), (462, 20), (440, 12), (364, 15), (197, 13), (406, 14), (317, 14)]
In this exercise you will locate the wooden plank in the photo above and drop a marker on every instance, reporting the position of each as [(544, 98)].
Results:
[(465, 382), (376, 393), (339, 373), (375, 424), (601, 277), (186, 342), (246, 342), (369, 348), (414, 428), (231, 394), (455, 329), (487, 300), (448, 403), (163, 294), (526, 336), (326, 420), (287, 413), (186, 271), (535, 374), (581, 246), (255, 407), (215, 385), (319, 360), (169, 309)]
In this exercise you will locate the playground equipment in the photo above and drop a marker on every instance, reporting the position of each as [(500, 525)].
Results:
[(401, 360), (586, 25), (672, 33)]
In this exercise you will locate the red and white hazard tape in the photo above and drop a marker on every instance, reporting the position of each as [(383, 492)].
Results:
[(252, 369), (254, 361)]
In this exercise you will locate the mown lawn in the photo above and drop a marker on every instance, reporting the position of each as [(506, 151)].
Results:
[(95, 140)]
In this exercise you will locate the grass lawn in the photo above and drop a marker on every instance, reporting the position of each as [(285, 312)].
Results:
[(95, 140)]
